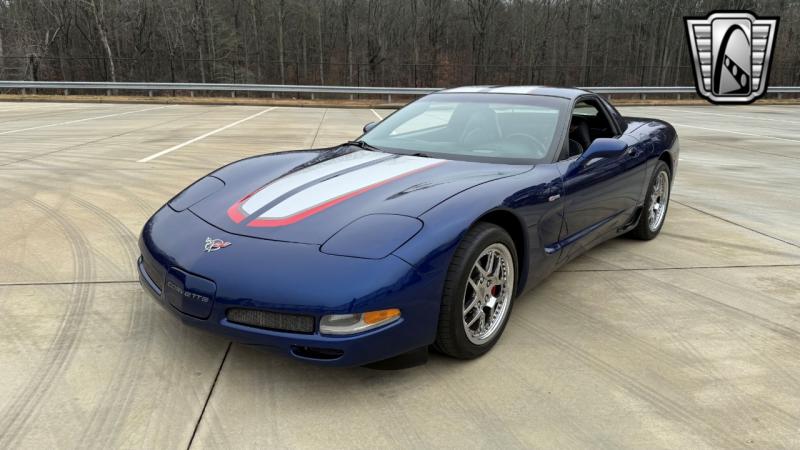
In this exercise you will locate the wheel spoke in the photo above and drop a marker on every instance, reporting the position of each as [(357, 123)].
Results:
[(496, 273), (489, 264), (478, 316), (472, 304)]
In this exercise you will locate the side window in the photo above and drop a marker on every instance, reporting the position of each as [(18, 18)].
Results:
[(587, 123)]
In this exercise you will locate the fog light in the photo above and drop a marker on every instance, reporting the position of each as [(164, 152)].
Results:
[(357, 322)]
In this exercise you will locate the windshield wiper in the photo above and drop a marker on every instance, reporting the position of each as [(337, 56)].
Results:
[(363, 145)]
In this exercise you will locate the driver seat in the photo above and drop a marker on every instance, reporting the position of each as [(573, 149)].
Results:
[(579, 132), (482, 127)]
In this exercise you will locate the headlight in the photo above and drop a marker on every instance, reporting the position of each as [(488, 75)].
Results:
[(373, 237), (356, 323), (198, 191)]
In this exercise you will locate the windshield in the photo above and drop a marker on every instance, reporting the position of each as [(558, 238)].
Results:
[(495, 127)]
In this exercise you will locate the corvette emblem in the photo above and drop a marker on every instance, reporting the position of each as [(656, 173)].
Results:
[(731, 52), (213, 245)]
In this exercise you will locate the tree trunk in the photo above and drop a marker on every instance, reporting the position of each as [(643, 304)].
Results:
[(321, 46), (210, 39), (2, 57), (257, 39), (585, 56), (665, 52), (100, 23), (415, 41), (281, 48)]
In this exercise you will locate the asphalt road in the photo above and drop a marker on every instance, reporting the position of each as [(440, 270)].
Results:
[(687, 341)]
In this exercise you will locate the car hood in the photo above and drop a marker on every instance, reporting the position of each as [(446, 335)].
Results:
[(308, 196)]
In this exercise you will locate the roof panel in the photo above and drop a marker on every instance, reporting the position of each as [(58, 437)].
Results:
[(564, 92)]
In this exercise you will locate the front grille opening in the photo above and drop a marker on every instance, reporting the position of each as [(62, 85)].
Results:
[(317, 353), (267, 320)]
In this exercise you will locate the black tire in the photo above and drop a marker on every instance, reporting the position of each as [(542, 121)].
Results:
[(643, 231), (451, 338)]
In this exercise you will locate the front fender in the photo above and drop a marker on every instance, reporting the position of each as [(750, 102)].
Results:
[(526, 196)]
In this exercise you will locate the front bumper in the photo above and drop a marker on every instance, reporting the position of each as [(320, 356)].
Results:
[(285, 278)]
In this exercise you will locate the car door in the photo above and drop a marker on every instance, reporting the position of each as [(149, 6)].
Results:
[(600, 194)]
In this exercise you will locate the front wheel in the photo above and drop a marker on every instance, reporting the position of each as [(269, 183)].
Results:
[(478, 291), (655, 204)]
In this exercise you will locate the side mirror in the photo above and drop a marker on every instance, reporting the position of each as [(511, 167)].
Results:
[(604, 148), (369, 126)]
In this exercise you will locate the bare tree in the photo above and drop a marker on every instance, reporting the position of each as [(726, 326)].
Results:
[(280, 19), (97, 9), (480, 13), (379, 42)]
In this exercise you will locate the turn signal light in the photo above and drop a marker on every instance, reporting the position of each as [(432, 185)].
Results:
[(341, 324), (380, 316)]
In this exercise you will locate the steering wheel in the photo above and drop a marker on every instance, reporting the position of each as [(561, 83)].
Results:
[(542, 149)]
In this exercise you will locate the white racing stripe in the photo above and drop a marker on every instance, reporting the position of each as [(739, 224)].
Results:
[(199, 138), (347, 183), (70, 122), (294, 180)]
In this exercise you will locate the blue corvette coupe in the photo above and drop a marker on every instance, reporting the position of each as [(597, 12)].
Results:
[(421, 232)]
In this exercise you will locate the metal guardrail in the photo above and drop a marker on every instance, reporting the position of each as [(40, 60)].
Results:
[(228, 87), (67, 86)]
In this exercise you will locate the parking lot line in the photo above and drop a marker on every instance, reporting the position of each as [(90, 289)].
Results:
[(200, 138), (737, 132), (70, 122), (748, 117)]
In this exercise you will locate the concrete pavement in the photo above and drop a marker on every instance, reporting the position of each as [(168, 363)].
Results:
[(689, 340)]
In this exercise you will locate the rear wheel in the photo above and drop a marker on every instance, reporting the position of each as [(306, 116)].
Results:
[(478, 292), (656, 202)]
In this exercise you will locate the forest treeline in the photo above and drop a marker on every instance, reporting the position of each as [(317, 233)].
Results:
[(432, 43)]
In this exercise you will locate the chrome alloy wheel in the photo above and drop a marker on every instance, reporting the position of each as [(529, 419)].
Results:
[(658, 201), (487, 296)]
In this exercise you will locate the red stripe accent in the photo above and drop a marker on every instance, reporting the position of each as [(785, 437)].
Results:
[(323, 206), (235, 211)]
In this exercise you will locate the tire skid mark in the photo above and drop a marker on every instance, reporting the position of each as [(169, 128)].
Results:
[(776, 366), (591, 434), (709, 369), (696, 358), (476, 420), (401, 431), (119, 390), (146, 208), (670, 408), (16, 417), (101, 260)]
